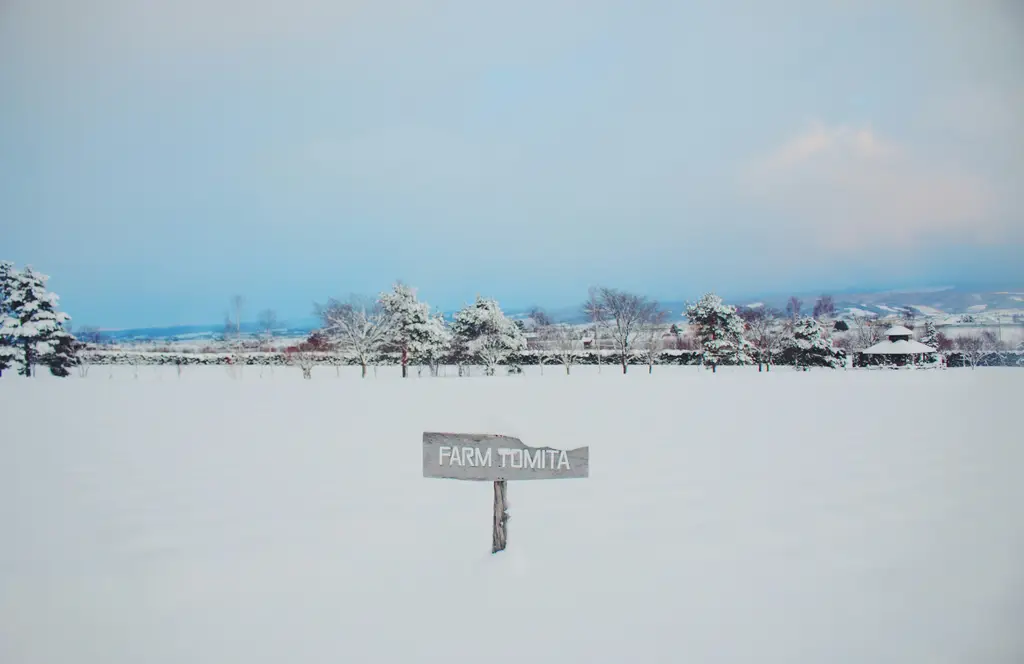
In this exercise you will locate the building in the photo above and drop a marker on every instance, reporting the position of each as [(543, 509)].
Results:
[(897, 349)]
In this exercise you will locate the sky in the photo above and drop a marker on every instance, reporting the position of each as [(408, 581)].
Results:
[(158, 157)]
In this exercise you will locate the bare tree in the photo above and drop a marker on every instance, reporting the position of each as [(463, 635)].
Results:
[(303, 357), (595, 310), (989, 341), (971, 348), (825, 307), (628, 314), (237, 305), (793, 307), (135, 361), (653, 331), (764, 333), (542, 330), (867, 331), (908, 315), (361, 326), (266, 322), (233, 334), (567, 347), (89, 334), (846, 344), (540, 317)]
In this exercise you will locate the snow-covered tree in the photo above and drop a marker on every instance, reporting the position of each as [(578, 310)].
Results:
[(719, 329), (971, 348), (361, 327), (7, 351), (33, 326), (931, 335), (482, 329), (416, 333), (438, 342), (811, 347), (867, 331), (63, 354)]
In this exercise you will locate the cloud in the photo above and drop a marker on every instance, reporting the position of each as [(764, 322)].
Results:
[(847, 188)]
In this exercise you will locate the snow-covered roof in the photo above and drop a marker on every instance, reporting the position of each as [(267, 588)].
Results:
[(898, 331), (901, 347)]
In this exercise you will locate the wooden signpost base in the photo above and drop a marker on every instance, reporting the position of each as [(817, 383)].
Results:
[(499, 534)]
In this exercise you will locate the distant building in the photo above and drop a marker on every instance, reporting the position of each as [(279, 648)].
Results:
[(898, 349)]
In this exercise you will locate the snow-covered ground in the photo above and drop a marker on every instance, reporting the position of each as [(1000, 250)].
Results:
[(827, 516)]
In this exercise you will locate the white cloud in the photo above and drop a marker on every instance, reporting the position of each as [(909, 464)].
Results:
[(849, 188)]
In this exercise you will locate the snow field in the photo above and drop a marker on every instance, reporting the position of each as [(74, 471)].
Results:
[(826, 516)]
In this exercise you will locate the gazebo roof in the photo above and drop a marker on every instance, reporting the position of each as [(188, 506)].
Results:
[(901, 347), (898, 331)]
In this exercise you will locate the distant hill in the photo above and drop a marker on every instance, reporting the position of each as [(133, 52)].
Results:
[(926, 302), (937, 302), (298, 327)]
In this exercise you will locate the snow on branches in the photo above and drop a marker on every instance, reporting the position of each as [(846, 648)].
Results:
[(482, 329), (361, 327), (414, 331), (811, 347), (31, 327), (719, 329)]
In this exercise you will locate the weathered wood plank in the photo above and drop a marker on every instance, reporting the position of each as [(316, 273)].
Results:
[(499, 535), (492, 458)]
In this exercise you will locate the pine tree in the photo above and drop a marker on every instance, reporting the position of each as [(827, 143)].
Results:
[(35, 327), (719, 329), (810, 347), (482, 329), (417, 334), (7, 351), (931, 335)]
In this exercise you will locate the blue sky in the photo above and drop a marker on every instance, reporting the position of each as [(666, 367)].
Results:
[(157, 157)]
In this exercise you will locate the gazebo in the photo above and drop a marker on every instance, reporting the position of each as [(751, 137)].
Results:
[(898, 349)]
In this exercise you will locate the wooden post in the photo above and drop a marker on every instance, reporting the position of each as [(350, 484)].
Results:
[(499, 535)]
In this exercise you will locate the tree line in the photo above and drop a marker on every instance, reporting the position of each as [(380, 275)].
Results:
[(397, 324)]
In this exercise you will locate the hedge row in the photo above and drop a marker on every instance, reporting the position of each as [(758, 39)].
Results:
[(992, 358), (526, 358)]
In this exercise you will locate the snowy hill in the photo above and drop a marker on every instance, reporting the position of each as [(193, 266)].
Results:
[(298, 327), (205, 520), (940, 303)]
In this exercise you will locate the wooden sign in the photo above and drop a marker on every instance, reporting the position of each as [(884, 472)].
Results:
[(490, 458), (493, 458)]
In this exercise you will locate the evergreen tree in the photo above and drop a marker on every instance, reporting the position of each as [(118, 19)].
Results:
[(7, 351), (810, 347), (483, 330), (719, 329), (417, 334), (34, 327), (438, 342), (931, 335)]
